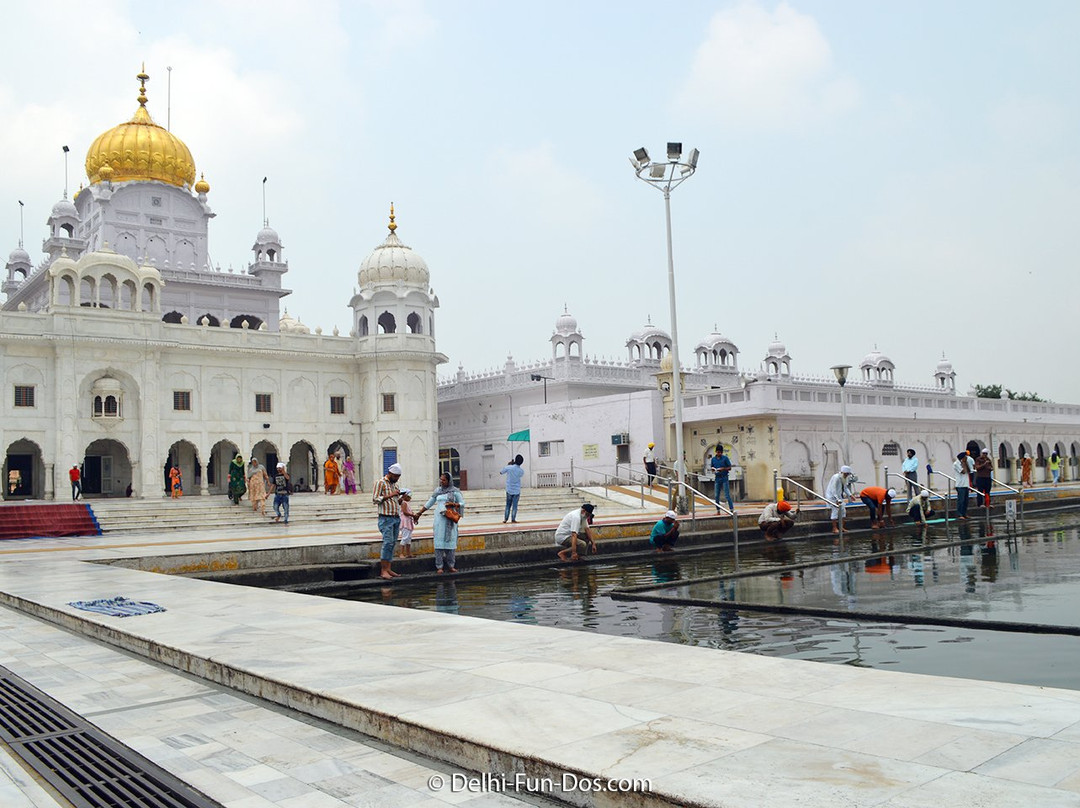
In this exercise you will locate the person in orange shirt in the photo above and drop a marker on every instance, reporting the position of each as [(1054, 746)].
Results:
[(878, 502)]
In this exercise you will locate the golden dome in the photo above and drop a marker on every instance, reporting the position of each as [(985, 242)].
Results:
[(202, 186), (140, 150)]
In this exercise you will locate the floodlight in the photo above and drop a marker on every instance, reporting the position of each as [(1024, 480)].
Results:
[(840, 371), (657, 171), (674, 151), (535, 377), (693, 158), (642, 157)]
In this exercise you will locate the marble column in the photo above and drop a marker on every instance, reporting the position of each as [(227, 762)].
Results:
[(50, 482)]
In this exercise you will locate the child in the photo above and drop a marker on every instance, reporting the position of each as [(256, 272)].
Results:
[(408, 522)]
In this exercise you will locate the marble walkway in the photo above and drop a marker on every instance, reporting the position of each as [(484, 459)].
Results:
[(546, 707)]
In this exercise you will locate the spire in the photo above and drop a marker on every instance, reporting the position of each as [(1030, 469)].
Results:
[(392, 225), (143, 78)]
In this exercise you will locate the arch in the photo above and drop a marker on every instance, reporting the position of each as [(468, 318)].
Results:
[(217, 468), (942, 457), (574, 351), (252, 321), (560, 349), (431, 325), (148, 300), (975, 446), (23, 470), (184, 255), (87, 292), (1074, 460), (222, 397), (68, 230), (1042, 470), (108, 292), (302, 465), (106, 468), (156, 253), (65, 291), (339, 447), (795, 459), (301, 396), (128, 296), (362, 326), (184, 455), (125, 244), (172, 317), (863, 462), (1003, 464), (211, 320), (266, 452), (414, 323), (387, 323)]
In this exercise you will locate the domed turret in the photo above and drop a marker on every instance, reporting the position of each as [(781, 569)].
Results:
[(877, 368), (18, 270), (393, 261), (648, 345), (140, 150), (945, 376), (64, 208), (777, 362), (717, 352), (566, 339)]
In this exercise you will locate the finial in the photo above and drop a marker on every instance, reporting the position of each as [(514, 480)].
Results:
[(143, 78), (392, 226), (565, 309), (776, 336)]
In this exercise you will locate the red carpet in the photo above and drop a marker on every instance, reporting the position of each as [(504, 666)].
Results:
[(26, 521)]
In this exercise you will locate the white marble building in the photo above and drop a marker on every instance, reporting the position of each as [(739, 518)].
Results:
[(125, 352), (600, 416)]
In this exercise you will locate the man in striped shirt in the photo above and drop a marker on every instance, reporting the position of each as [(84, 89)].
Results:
[(387, 496)]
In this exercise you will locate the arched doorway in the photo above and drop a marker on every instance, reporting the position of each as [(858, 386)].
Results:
[(303, 466), (184, 455), (217, 469), (267, 454), (24, 471), (106, 469), (450, 463)]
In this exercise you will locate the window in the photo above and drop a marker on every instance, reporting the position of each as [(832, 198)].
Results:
[(155, 201), (337, 405), (24, 395), (263, 402), (388, 403), (489, 447), (890, 450), (550, 448), (112, 407), (181, 400)]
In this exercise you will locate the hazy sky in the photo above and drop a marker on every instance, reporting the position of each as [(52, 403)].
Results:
[(899, 174)]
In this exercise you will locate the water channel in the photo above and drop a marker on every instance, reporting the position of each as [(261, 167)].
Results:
[(1027, 576)]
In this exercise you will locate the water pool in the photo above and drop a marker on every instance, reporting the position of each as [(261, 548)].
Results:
[(1033, 577)]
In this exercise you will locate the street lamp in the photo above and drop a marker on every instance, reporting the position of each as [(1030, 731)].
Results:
[(841, 371), (667, 175), (538, 377)]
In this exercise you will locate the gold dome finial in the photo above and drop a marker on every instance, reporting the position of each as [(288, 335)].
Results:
[(202, 186), (143, 78), (392, 226)]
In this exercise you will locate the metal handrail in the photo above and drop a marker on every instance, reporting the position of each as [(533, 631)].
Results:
[(606, 476), (777, 477), (929, 490), (1017, 491), (693, 496)]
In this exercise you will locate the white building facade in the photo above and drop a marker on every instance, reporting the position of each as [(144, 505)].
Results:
[(126, 353)]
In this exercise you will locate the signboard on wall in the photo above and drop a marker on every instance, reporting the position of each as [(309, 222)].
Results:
[(590, 451)]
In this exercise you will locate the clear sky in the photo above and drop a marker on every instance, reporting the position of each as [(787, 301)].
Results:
[(898, 174)]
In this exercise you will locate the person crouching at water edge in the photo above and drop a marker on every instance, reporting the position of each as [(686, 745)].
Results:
[(878, 502), (665, 533), (838, 491), (919, 509), (777, 519), (574, 529)]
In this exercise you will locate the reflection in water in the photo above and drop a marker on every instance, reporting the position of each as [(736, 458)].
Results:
[(1033, 575)]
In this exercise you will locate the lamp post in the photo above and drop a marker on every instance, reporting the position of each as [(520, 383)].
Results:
[(538, 377), (841, 371), (667, 175)]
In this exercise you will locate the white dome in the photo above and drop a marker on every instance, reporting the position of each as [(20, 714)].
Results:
[(777, 348), (19, 256), (566, 323), (268, 235), (944, 366), (292, 325), (65, 208), (651, 331), (394, 261), (875, 359), (716, 340)]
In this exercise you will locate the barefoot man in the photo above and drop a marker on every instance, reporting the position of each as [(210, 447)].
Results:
[(574, 530), (388, 497)]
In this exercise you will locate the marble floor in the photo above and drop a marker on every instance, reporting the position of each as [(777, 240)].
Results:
[(561, 712)]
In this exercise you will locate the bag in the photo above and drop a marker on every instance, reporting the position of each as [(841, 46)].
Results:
[(453, 511)]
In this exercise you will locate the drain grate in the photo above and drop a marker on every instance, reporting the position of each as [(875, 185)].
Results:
[(88, 767)]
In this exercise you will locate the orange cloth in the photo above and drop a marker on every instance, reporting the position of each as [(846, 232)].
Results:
[(330, 473), (875, 493)]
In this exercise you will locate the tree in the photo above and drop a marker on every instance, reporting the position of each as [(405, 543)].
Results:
[(994, 391)]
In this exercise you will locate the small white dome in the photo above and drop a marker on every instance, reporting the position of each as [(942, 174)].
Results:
[(875, 359), (292, 325), (65, 208), (651, 331), (268, 235), (716, 340), (19, 256), (777, 348), (394, 261), (944, 366), (566, 323)]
